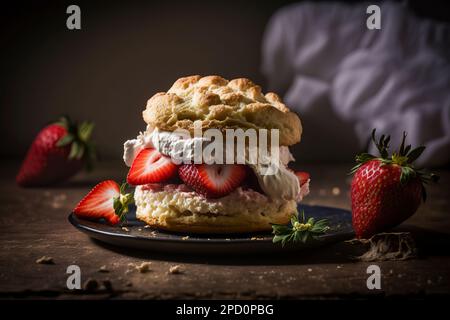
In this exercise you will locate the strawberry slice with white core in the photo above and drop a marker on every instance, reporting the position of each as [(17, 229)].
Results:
[(99, 202), (212, 181), (150, 166), (303, 177)]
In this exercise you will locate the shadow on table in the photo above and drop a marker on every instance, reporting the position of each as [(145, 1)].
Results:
[(335, 253), (429, 243)]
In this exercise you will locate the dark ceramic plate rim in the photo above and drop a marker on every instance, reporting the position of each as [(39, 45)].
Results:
[(227, 238)]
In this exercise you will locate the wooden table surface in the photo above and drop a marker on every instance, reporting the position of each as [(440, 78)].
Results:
[(33, 223)]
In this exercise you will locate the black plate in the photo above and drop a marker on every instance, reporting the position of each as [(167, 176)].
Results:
[(135, 234)]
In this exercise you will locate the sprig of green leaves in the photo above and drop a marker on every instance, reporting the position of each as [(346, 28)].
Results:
[(122, 202), (299, 230)]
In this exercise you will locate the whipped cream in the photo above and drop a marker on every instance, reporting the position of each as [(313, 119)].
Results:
[(283, 184)]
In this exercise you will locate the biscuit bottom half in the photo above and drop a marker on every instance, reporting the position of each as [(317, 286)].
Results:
[(173, 208)]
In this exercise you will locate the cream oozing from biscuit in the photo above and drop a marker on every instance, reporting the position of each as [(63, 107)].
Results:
[(284, 184)]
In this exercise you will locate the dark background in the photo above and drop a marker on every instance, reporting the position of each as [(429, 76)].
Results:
[(124, 53)]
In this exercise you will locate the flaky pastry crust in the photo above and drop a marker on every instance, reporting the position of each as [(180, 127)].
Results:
[(214, 102)]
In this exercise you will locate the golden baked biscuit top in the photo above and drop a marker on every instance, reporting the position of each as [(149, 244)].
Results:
[(218, 103)]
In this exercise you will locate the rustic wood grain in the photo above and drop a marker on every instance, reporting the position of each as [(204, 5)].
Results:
[(33, 223)]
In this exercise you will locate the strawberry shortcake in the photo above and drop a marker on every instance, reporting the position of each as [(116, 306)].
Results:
[(203, 196)]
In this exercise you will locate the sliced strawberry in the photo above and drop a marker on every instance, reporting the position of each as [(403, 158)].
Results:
[(212, 181), (150, 166), (99, 202), (303, 177)]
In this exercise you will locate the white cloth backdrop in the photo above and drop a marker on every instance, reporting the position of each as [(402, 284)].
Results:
[(331, 68)]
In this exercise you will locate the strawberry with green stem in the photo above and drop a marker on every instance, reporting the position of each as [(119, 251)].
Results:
[(122, 201), (59, 151), (105, 201), (388, 189)]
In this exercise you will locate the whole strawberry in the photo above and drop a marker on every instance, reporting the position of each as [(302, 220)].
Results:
[(58, 152), (388, 189)]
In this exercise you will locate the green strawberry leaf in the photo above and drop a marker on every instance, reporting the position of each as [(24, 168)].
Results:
[(415, 153), (122, 202), (117, 206), (65, 140), (64, 121), (85, 131), (407, 174), (78, 138), (80, 152), (74, 149)]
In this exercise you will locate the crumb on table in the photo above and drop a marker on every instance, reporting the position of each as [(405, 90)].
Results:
[(144, 267), (176, 269), (103, 269), (45, 260)]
